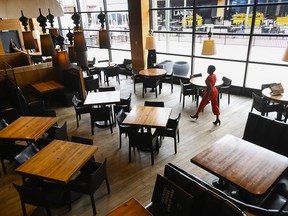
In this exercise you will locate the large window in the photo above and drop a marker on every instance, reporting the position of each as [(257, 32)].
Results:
[(250, 36), (117, 23)]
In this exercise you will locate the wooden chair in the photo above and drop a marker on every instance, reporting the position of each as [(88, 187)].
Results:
[(92, 175), (171, 130), (143, 141)]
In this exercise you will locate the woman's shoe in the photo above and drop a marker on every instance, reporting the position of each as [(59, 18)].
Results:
[(194, 116), (217, 122)]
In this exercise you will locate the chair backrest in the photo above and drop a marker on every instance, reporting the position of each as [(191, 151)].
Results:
[(32, 195), (154, 103), (111, 88), (76, 101), (121, 116), (9, 114), (105, 60), (266, 85), (112, 71), (61, 133), (35, 107), (26, 154), (174, 123), (141, 140), (3, 124), (100, 113), (226, 81), (81, 140), (258, 102), (92, 84), (98, 176), (127, 61), (126, 101), (196, 75), (91, 62)]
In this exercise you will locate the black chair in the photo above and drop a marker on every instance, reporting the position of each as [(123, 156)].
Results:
[(101, 114), (169, 76), (82, 140), (262, 105), (187, 89), (28, 152), (171, 130), (125, 104), (153, 83), (143, 141), (91, 84), (225, 87), (79, 108), (38, 108), (154, 103), (9, 114), (8, 149), (90, 179), (126, 67), (124, 129), (33, 195), (103, 89), (137, 78), (112, 72), (93, 70)]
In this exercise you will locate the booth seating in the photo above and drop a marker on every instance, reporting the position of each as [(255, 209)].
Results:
[(206, 199), (73, 85), (268, 133)]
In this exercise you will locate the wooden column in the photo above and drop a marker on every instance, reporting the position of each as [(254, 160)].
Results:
[(139, 29)]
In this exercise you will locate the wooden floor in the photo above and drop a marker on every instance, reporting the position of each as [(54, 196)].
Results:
[(136, 179)]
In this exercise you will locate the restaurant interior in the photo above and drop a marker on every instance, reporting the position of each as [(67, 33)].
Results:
[(85, 130)]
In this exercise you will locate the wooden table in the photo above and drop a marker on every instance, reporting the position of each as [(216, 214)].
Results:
[(47, 86), (59, 161), (156, 117), (102, 98), (153, 72), (283, 98), (246, 165), (27, 128), (130, 208)]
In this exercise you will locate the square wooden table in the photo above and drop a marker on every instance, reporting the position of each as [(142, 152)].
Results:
[(155, 117), (27, 128), (249, 166), (47, 86), (130, 208), (59, 161), (102, 98)]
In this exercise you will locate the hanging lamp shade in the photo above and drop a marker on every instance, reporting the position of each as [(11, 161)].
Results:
[(285, 57), (82, 59), (79, 41), (150, 42), (61, 60), (29, 41), (209, 47), (47, 45), (104, 39)]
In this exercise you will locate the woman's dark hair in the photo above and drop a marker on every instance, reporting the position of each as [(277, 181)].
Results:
[(211, 69)]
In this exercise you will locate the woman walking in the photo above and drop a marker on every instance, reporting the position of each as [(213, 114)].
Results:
[(210, 93)]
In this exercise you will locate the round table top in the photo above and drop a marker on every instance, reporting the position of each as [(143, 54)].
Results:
[(153, 72), (283, 98), (104, 64), (200, 81)]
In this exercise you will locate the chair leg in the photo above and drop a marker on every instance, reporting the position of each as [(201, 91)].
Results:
[(175, 145), (183, 101), (107, 184), (129, 153), (23, 209), (77, 121), (92, 129), (93, 204), (228, 97), (3, 167), (120, 140), (152, 156)]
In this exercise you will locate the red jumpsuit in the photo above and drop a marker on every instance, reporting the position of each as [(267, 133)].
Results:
[(213, 97)]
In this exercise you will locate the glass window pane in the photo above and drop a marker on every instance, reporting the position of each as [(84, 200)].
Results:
[(232, 70), (258, 74)]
